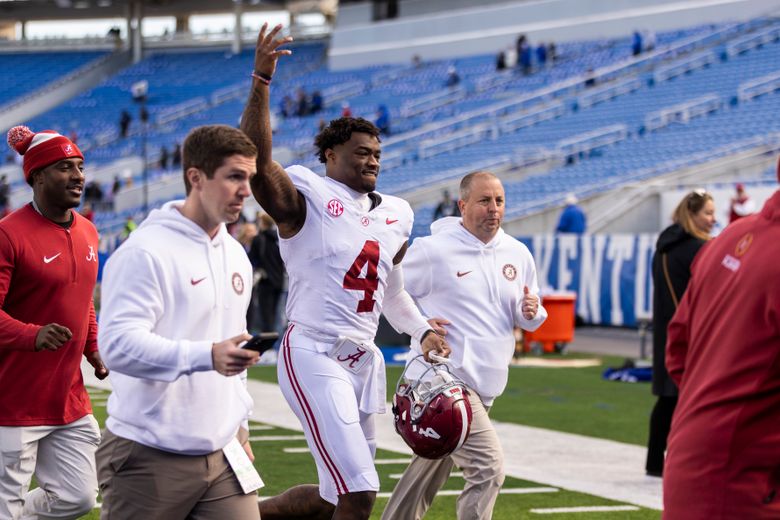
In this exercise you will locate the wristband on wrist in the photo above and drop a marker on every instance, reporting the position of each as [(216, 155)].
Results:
[(262, 77), (429, 331)]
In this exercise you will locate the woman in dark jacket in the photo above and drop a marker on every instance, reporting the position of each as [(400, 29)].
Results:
[(676, 247)]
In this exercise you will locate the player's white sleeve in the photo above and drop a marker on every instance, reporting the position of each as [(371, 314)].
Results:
[(399, 308)]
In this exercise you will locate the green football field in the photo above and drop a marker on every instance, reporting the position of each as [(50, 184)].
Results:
[(574, 400)]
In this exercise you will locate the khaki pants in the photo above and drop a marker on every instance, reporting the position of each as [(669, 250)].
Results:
[(482, 461), (137, 481), (62, 458)]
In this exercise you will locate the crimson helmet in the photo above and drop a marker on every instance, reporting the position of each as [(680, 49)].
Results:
[(432, 414)]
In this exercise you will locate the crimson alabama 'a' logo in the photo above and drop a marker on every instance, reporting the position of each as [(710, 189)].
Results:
[(744, 244), (353, 358), (238, 284), (335, 207), (510, 272)]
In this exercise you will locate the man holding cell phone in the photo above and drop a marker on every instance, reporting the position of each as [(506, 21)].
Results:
[(173, 321)]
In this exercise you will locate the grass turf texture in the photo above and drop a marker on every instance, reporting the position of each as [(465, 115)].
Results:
[(574, 400)]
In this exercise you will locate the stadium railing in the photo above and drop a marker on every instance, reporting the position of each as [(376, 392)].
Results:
[(683, 112)]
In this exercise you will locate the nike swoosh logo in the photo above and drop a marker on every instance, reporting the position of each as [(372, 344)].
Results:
[(193, 281), (464, 273), (49, 259), (388, 221)]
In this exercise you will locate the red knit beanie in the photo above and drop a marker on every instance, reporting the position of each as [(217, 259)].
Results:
[(41, 149)]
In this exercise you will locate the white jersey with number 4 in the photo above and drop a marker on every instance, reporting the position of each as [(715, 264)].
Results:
[(338, 263)]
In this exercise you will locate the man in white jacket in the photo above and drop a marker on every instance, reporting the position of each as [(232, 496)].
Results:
[(174, 297), (484, 281)]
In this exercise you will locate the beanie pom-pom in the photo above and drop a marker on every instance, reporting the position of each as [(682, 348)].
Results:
[(19, 138)]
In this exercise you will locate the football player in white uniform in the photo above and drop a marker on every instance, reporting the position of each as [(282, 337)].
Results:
[(342, 244)]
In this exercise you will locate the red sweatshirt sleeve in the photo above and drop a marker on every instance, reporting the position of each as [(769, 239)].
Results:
[(14, 334), (91, 344)]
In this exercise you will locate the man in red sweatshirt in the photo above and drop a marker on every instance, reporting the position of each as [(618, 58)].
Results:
[(723, 351), (48, 270)]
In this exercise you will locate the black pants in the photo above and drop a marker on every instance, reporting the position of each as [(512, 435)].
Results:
[(268, 304), (660, 424)]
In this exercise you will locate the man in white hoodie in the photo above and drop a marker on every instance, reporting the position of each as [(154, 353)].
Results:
[(174, 297), (484, 282)]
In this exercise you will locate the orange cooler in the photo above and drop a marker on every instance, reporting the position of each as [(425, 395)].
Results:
[(559, 325)]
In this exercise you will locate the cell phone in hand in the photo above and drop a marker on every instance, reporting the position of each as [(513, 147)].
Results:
[(262, 342)]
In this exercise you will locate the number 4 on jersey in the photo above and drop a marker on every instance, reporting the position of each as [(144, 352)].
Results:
[(368, 284)]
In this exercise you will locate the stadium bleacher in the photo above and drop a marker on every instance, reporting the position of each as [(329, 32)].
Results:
[(640, 120)]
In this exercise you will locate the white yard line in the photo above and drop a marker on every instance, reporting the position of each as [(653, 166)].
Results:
[(296, 450), (583, 509), (269, 438), (504, 491), (392, 461), (397, 476)]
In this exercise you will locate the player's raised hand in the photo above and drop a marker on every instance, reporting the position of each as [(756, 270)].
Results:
[(530, 304), (267, 51)]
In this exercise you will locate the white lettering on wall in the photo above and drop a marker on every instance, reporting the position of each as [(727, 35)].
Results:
[(620, 248), (588, 305)]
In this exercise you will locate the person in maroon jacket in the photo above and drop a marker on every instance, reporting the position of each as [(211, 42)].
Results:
[(723, 352), (48, 270)]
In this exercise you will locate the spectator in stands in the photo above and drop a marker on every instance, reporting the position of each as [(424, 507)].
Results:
[(5, 194), (269, 273), (636, 43), (128, 228), (722, 352), (590, 78), (526, 59), (48, 254), (176, 156), (316, 102), (416, 61), (116, 186), (286, 107), (87, 212), (321, 125), (447, 207), (552, 52), (453, 78), (93, 193), (501, 61), (676, 247), (474, 244), (741, 205), (301, 103), (114, 34), (572, 219), (520, 43), (124, 123), (346, 110), (541, 55), (174, 301), (383, 119), (164, 157)]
